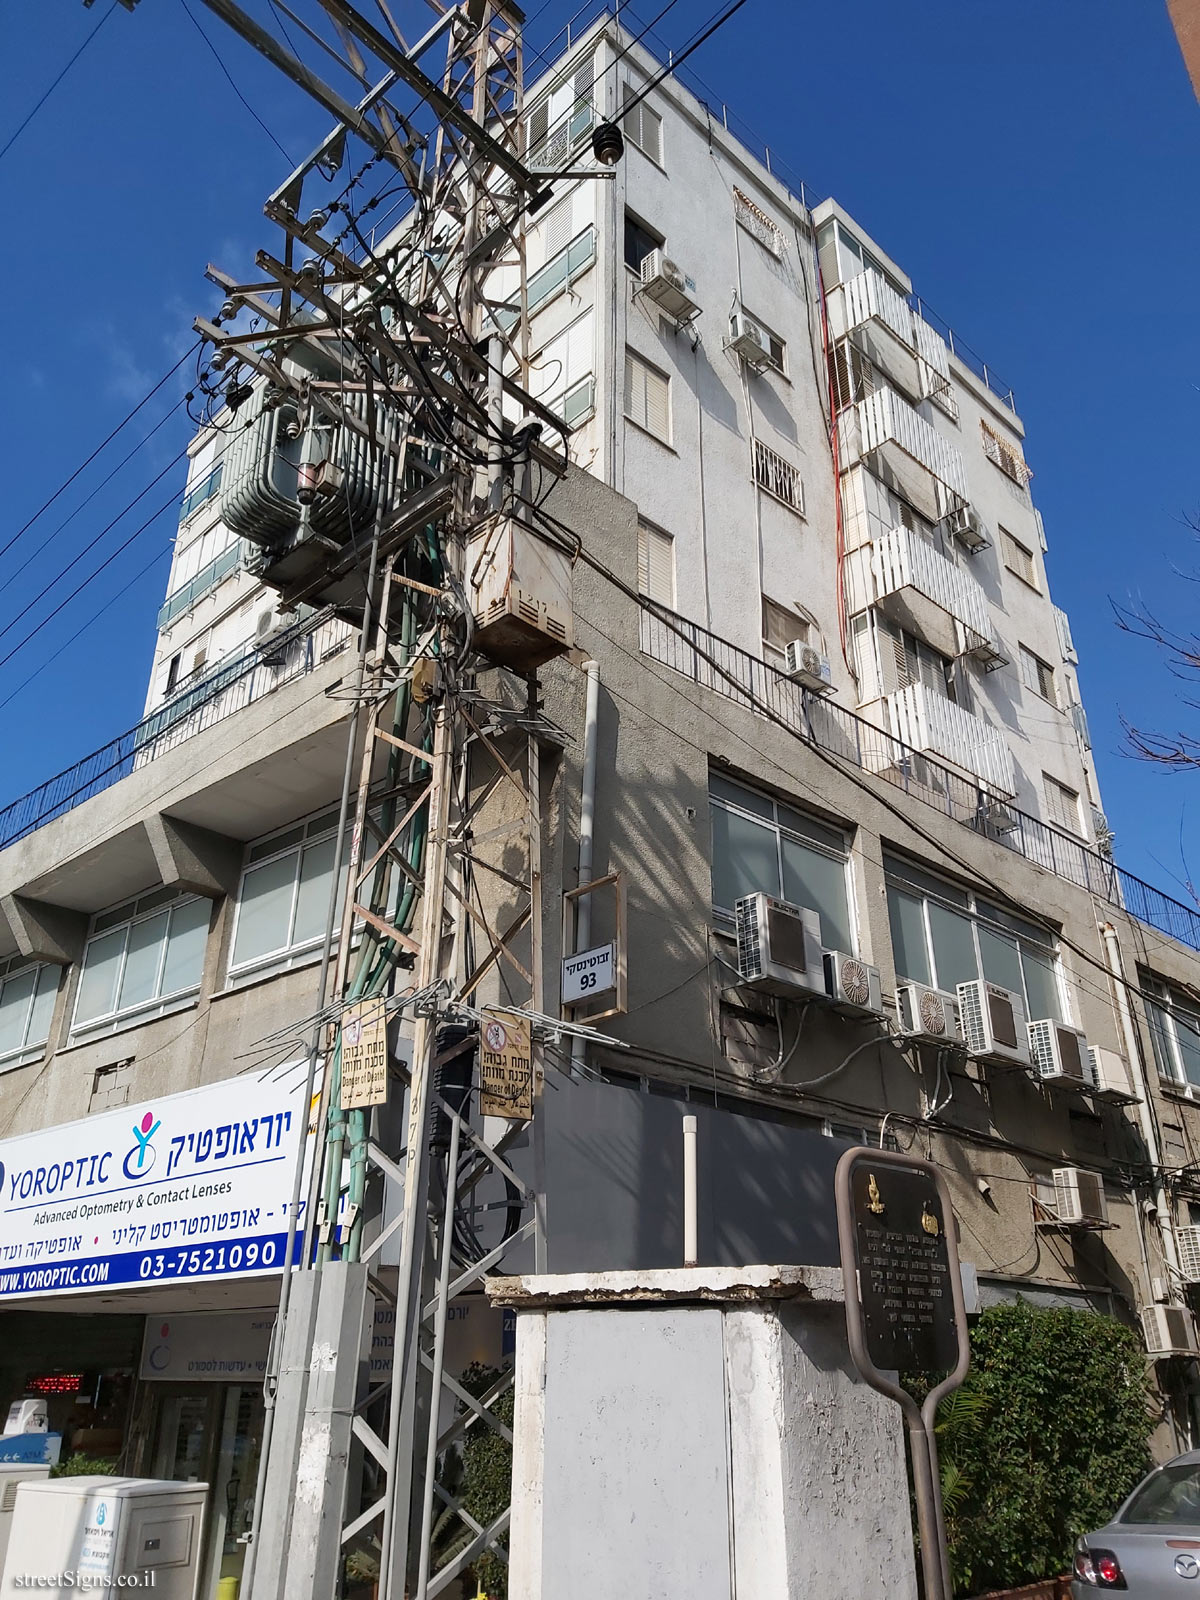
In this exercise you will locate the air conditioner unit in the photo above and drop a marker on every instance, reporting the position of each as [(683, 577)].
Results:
[(1000, 818), (269, 629), (852, 984), (1073, 1198), (966, 527), (929, 1015), (808, 667), (1059, 1053), (1169, 1331), (1189, 1254), (748, 341), (670, 288), (993, 1022), (1109, 1075), (779, 946)]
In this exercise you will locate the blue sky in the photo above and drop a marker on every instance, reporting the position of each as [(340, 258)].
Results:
[(1032, 165)]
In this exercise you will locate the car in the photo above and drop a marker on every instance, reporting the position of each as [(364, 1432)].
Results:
[(1151, 1548)]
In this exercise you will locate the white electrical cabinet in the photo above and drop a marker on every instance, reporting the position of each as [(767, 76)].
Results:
[(12, 1475), (84, 1531)]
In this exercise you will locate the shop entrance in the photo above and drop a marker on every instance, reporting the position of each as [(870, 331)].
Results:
[(211, 1433)]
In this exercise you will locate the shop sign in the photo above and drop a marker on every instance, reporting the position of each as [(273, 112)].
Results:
[(189, 1187), (207, 1347)]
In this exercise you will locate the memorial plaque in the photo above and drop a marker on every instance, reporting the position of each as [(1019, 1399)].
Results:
[(906, 1265)]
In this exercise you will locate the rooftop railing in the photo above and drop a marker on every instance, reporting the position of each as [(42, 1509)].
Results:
[(192, 710), (714, 663)]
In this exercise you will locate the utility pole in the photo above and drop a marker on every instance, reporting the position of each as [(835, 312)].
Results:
[(403, 338)]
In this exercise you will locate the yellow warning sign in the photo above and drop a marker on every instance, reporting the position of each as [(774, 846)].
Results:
[(506, 1066), (364, 1055)]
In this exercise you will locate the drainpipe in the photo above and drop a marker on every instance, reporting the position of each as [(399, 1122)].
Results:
[(1129, 1035), (587, 817)]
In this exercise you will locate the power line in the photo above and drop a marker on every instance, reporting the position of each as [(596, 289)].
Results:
[(229, 79), (107, 562), (13, 137), (123, 462), (104, 443), (83, 628)]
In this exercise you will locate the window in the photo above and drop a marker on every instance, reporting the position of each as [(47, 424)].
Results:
[(656, 565), (562, 268), (757, 222), (761, 843), (201, 493), (904, 659), (1005, 455), (1018, 558), (173, 672), (283, 898), (563, 117), (642, 125), (778, 477), (943, 935), (781, 627), (647, 397), (1062, 804), (773, 346), (143, 958), (185, 595), (27, 995), (1174, 1033), (1038, 675), (852, 374), (639, 242), (562, 373)]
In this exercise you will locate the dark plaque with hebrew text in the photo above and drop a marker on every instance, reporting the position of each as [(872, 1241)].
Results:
[(904, 1267)]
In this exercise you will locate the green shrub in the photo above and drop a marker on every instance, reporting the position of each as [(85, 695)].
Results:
[(80, 1465), (1054, 1435)]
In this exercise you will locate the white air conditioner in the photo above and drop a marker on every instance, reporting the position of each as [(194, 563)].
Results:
[(1169, 1331), (269, 629), (852, 984), (779, 946), (930, 1015), (1189, 1254), (1073, 1198), (748, 341), (670, 288), (966, 527), (993, 1022), (1109, 1075), (808, 667), (1059, 1053)]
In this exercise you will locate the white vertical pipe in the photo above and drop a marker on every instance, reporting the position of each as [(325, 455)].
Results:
[(587, 820), (689, 1192)]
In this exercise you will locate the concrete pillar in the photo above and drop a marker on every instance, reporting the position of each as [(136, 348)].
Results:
[(700, 1432), (194, 858), (46, 932)]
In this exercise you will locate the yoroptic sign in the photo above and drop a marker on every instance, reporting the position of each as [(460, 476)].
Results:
[(195, 1185)]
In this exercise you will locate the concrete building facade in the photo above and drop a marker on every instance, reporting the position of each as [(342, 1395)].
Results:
[(772, 446)]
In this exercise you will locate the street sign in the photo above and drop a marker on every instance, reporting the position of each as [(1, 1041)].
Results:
[(904, 1309), (364, 1055), (505, 1066), (589, 973)]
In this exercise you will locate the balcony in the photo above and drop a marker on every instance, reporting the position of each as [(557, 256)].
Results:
[(880, 321), (927, 722), (904, 451), (913, 582)]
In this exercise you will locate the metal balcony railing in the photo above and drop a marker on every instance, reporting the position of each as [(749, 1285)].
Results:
[(901, 559), (884, 418), (713, 663), (927, 722), (222, 693)]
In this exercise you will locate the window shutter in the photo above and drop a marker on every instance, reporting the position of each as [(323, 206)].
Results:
[(539, 124), (656, 565), (635, 392), (647, 397), (657, 418), (651, 133), (585, 78)]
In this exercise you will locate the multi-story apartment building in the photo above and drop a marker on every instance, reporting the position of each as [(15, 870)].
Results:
[(831, 672)]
